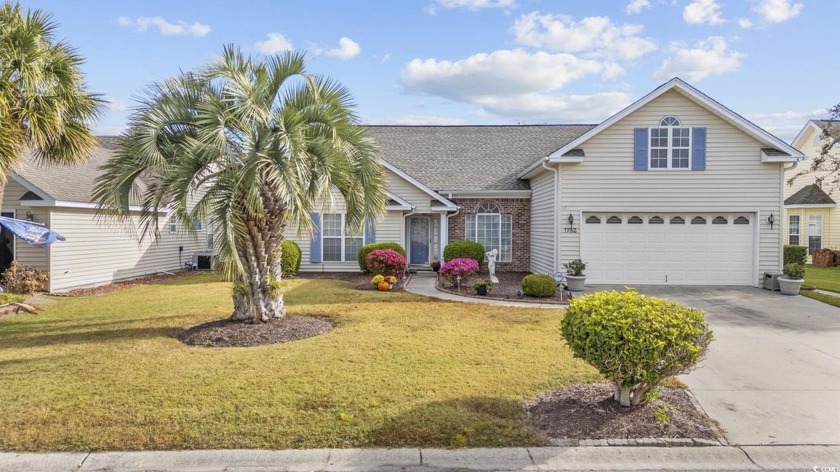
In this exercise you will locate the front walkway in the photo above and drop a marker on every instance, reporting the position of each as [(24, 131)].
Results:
[(423, 283)]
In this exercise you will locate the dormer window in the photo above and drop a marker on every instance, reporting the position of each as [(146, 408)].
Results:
[(670, 145)]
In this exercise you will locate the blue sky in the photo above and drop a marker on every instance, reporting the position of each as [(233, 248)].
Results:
[(482, 61)]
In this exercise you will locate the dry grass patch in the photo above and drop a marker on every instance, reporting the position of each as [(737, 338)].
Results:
[(108, 372)]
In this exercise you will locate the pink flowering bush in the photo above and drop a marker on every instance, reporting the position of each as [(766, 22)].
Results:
[(462, 267), (386, 262)]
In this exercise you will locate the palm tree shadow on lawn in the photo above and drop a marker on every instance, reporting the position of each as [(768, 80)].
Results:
[(459, 422)]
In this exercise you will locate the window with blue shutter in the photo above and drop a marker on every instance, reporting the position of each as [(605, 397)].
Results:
[(640, 156), (315, 242), (698, 148), (370, 231)]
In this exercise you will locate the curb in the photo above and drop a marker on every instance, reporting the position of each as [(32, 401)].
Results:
[(641, 442)]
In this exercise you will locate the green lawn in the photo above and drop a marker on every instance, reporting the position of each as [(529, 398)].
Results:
[(823, 278), (830, 299), (107, 372)]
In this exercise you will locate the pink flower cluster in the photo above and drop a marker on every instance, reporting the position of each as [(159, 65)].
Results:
[(385, 262), (462, 267)]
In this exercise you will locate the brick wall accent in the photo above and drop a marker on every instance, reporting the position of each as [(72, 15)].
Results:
[(520, 208)]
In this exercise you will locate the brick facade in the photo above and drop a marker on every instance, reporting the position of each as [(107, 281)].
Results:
[(519, 208)]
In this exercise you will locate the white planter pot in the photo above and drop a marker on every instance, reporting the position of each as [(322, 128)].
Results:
[(575, 283), (789, 286)]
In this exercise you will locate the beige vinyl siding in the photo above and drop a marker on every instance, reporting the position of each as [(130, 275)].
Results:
[(735, 179), (830, 226), (542, 223), (98, 252), (420, 200), (24, 253), (831, 216)]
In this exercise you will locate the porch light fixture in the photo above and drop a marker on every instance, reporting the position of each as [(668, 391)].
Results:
[(771, 219), (30, 216), (571, 219)]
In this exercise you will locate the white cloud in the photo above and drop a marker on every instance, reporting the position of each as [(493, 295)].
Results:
[(517, 84), (551, 107), (502, 72), (777, 11), (115, 104), (596, 36), (473, 5), (745, 23), (166, 28), (636, 6), (711, 56), (702, 12), (274, 43), (347, 49), (427, 120)]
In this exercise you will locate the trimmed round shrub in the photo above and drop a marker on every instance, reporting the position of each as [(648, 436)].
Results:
[(539, 285), (635, 341), (367, 248), (289, 257), (463, 267), (385, 262), (464, 250)]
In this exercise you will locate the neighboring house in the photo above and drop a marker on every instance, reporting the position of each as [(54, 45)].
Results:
[(674, 189), (812, 217), (97, 251)]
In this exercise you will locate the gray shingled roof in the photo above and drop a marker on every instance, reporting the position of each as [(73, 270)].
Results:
[(64, 182), (441, 157), (469, 158), (810, 195)]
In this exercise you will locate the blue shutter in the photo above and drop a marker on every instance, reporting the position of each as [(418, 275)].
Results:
[(315, 243), (698, 148), (370, 231), (640, 154)]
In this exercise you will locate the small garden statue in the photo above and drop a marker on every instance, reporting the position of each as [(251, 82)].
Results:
[(491, 265)]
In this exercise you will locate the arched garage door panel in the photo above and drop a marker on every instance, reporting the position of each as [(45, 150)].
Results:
[(703, 253)]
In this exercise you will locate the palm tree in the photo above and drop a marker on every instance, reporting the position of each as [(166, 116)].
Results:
[(43, 100), (250, 146)]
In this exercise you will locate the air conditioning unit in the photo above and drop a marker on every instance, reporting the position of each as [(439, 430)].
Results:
[(203, 260)]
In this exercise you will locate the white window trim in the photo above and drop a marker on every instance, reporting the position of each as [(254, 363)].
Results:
[(343, 238), (798, 233), (475, 232), (173, 223), (670, 149)]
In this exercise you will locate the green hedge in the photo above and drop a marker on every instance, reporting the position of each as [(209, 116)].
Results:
[(464, 250), (795, 255), (539, 285), (289, 258), (635, 341), (365, 250)]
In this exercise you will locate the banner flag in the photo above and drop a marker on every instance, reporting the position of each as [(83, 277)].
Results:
[(29, 232)]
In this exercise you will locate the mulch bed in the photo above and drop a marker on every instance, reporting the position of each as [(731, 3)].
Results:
[(358, 280), (226, 333), (103, 289), (589, 412), (508, 288)]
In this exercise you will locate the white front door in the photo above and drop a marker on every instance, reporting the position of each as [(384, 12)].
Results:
[(666, 248)]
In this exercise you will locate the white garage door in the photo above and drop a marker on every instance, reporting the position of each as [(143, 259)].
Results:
[(673, 249)]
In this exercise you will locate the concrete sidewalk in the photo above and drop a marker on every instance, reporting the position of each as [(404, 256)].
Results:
[(820, 458), (423, 283)]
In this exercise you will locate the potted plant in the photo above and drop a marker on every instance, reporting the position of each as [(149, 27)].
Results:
[(791, 281), (435, 264), (575, 280), (482, 287)]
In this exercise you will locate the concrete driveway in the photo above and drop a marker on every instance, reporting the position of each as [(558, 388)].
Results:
[(772, 375)]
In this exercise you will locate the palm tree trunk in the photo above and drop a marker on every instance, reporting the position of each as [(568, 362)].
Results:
[(257, 296)]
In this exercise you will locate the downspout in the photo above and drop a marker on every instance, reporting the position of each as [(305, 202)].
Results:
[(556, 203), (448, 216)]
